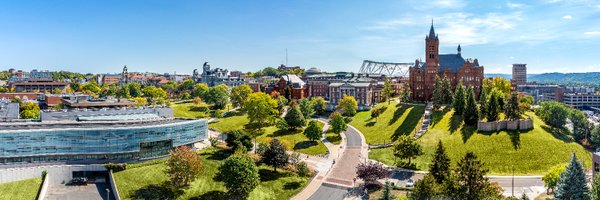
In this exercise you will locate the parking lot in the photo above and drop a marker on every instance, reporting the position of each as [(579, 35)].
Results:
[(93, 191)]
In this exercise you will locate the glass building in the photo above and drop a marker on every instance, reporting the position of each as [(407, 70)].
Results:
[(97, 141)]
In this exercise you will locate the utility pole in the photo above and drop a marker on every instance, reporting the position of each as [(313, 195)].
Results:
[(286, 57)]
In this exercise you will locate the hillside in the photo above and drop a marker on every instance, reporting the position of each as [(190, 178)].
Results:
[(564, 78), (397, 120)]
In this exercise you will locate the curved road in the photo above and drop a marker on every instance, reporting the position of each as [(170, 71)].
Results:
[(339, 180)]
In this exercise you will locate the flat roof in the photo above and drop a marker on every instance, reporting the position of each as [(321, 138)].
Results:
[(59, 125)]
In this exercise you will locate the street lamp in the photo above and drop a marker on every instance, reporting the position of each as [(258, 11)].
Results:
[(107, 194)]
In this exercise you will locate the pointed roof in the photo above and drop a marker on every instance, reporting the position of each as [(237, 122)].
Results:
[(459, 49), (431, 31)]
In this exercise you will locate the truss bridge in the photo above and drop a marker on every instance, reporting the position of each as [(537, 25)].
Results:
[(385, 68)]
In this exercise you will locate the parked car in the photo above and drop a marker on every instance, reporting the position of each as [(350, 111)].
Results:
[(79, 181), (410, 183)]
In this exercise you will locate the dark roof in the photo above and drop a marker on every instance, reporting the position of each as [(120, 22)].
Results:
[(451, 61)]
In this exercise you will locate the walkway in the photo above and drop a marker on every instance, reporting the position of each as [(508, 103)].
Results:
[(426, 120)]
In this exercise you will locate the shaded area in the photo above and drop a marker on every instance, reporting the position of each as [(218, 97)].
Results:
[(438, 115), (559, 133), (455, 123), (369, 124), (408, 125), (156, 192), (215, 194), (292, 185), (467, 132), (305, 144), (270, 175), (398, 113)]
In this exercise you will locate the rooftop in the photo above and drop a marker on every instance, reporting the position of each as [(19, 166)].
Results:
[(54, 125)]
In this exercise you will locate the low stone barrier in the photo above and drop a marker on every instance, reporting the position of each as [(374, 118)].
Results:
[(522, 124), (111, 179), (44, 188)]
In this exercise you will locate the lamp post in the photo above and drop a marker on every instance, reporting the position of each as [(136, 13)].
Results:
[(107, 194), (513, 181)]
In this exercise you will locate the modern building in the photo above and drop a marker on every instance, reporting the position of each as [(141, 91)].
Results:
[(452, 66), (581, 100), (35, 81), (519, 74), (8, 110), (543, 92), (216, 76), (85, 101), (97, 140)]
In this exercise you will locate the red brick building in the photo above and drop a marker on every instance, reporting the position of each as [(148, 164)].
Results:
[(297, 87), (452, 66)]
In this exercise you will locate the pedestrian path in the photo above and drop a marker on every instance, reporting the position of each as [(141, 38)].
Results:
[(426, 120)]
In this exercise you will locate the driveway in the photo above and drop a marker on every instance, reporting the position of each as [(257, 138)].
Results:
[(94, 191)]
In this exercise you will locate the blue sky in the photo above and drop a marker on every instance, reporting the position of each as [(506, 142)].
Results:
[(170, 35)]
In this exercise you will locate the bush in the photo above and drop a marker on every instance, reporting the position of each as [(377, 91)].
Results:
[(214, 141), (116, 167), (303, 170), (218, 113), (348, 119)]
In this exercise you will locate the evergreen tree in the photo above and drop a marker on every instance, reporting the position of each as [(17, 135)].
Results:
[(595, 193), (312, 132), (425, 189), (572, 184), (438, 97), (492, 109), (512, 109), (388, 91), (483, 103), (275, 155), (471, 179), (387, 192), (294, 117), (440, 165), (459, 99), (471, 112), (446, 91), (405, 93)]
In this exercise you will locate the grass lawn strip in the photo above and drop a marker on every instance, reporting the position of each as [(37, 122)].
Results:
[(189, 110), (397, 120), (20, 190)]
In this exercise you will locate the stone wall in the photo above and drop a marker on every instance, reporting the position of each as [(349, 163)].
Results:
[(522, 124)]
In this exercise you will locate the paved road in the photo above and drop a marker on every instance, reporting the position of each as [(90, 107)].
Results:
[(344, 170), (95, 191)]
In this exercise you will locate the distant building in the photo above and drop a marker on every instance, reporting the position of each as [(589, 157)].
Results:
[(35, 81), (237, 74), (365, 90), (581, 100), (8, 110), (108, 79), (519, 74), (290, 86), (216, 76), (543, 92), (452, 66), (85, 101)]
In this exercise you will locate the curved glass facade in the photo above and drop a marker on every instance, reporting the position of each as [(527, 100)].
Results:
[(137, 141)]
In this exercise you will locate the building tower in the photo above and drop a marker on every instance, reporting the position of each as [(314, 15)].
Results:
[(125, 75), (519, 74), (458, 50), (432, 44)]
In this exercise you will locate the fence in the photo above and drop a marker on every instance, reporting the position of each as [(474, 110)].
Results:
[(523, 124)]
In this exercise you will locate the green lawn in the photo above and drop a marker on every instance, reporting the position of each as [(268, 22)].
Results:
[(142, 181), (397, 120), (229, 123), (20, 190), (333, 137), (189, 110), (531, 152)]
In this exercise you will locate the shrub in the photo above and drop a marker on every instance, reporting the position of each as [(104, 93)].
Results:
[(302, 170), (218, 113), (116, 167), (214, 141)]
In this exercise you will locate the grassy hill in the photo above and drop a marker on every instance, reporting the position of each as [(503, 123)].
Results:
[(531, 152), (190, 110), (20, 190), (148, 181), (397, 120)]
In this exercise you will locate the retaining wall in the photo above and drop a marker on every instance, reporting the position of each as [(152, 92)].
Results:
[(60, 173), (44, 189), (111, 179), (523, 124)]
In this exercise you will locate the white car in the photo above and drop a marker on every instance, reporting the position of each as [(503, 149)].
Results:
[(410, 183)]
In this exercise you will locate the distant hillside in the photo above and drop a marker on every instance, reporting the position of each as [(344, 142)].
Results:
[(506, 76), (566, 78)]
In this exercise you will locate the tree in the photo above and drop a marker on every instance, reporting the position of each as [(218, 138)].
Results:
[(218, 96), (347, 106), (387, 192), (581, 126), (199, 89), (187, 85), (319, 105), (425, 189), (235, 138), (171, 88), (375, 112), (471, 179), (312, 132), (440, 165), (572, 183), (57, 91), (512, 111), (405, 93), (458, 103), (471, 112), (275, 156), (197, 101), (239, 175), (183, 166), (595, 193), (239, 94), (294, 117), (387, 92), (483, 98), (493, 107), (307, 108), (595, 136), (447, 95), (139, 101), (438, 97), (153, 93), (407, 148), (370, 172), (90, 88), (135, 90), (551, 177), (553, 113), (261, 108), (338, 124), (29, 110)]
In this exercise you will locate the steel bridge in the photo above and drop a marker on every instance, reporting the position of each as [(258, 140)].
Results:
[(386, 68)]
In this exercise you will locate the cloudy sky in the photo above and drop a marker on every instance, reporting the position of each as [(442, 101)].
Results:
[(170, 35)]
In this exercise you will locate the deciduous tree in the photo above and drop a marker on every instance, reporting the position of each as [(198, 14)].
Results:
[(275, 156), (338, 124), (307, 108), (407, 148), (370, 172), (553, 113), (294, 117), (218, 96), (261, 109), (235, 138), (312, 132), (319, 105), (239, 94), (347, 106), (239, 175), (183, 166)]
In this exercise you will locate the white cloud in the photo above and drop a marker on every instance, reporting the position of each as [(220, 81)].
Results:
[(567, 17), (449, 3), (511, 57), (469, 29), (390, 24), (512, 5), (592, 33)]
